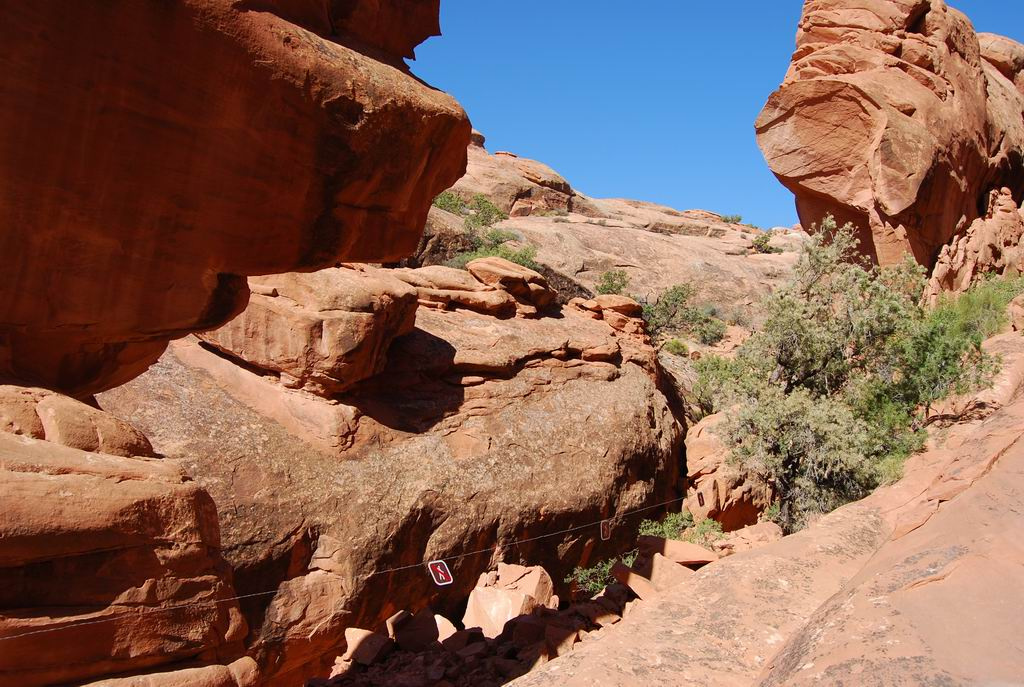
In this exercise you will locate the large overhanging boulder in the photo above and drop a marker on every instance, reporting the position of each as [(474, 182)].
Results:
[(893, 116), (155, 154)]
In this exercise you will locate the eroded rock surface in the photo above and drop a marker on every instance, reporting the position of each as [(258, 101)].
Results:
[(481, 429), (989, 246), (716, 488), (893, 116), (108, 564), (291, 136)]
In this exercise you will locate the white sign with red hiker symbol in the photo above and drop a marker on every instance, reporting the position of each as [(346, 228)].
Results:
[(440, 572)]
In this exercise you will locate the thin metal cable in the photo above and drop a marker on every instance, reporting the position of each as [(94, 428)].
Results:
[(460, 556)]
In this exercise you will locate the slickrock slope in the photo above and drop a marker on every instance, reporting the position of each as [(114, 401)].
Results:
[(157, 153), (920, 583), (895, 117), (578, 238), (501, 416)]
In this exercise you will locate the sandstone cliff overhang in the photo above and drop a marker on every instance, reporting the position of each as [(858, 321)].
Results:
[(156, 154)]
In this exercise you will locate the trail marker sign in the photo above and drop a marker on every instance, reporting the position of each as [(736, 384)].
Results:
[(440, 572), (606, 530)]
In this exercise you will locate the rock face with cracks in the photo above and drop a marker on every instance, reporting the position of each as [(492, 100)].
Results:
[(896, 116), (291, 137), (990, 246), (483, 427)]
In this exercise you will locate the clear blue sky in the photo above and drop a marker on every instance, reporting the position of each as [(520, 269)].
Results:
[(653, 100)]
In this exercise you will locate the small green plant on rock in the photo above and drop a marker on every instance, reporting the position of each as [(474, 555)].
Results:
[(761, 244), (704, 533), (676, 347), (732, 219), (449, 201), (598, 576), (673, 312), (613, 282), (670, 527), (709, 330), (483, 213)]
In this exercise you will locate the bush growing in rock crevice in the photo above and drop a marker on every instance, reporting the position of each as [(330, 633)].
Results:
[(673, 312), (761, 244), (613, 282), (831, 395), (480, 214)]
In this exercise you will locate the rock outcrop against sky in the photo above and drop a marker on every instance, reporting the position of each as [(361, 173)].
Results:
[(896, 116)]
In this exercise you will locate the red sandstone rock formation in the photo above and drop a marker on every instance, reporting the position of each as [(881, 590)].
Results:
[(108, 564), (579, 238), (517, 185), (990, 246), (716, 489), (893, 117), (156, 154), (483, 425)]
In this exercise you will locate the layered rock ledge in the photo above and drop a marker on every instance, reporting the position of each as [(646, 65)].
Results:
[(498, 417)]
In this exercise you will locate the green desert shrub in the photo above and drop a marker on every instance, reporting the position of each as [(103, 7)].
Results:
[(761, 244), (489, 241), (451, 202), (483, 213), (676, 347), (598, 576), (525, 255), (674, 313), (704, 533), (709, 330), (613, 282), (732, 219), (829, 397), (669, 527)]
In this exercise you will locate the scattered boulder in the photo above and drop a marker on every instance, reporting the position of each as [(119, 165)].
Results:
[(241, 673), (749, 537), (366, 647), (893, 117), (663, 573), (420, 631), (529, 288), (447, 288), (514, 591), (637, 583), (322, 331), (681, 552), (128, 548), (1015, 311)]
